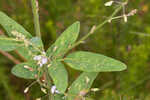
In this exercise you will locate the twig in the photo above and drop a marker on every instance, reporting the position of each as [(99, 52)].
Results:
[(141, 34), (96, 28), (22, 57), (9, 56), (1, 32)]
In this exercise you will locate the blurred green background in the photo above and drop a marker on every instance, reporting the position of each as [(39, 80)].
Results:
[(128, 42)]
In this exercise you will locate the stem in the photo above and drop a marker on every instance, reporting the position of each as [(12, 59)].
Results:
[(10, 57), (98, 27), (49, 85), (35, 10), (49, 95)]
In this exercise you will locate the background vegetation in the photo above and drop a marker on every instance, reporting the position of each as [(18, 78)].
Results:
[(128, 42)]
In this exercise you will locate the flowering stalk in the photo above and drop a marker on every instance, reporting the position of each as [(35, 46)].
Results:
[(35, 10), (95, 28)]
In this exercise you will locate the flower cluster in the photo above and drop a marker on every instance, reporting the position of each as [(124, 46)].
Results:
[(18, 35), (42, 60), (21, 37), (123, 4)]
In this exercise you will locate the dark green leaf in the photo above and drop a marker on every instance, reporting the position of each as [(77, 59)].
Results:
[(92, 62), (21, 71), (58, 97), (9, 44), (62, 44), (10, 25), (59, 75), (82, 84)]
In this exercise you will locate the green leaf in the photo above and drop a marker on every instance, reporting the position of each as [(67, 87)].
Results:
[(59, 75), (21, 71), (62, 44), (10, 25), (36, 41), (81, 84), (30, 51), (24, 51), (92, 62), (9, 44), (58, 97)]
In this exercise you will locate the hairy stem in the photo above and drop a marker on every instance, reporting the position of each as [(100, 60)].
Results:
[(35, 10)]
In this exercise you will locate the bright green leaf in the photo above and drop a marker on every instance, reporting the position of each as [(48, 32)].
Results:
[(37, 42), (82, 84), (59, 75), (62, 44), (25, 70), (92, 62), (10, 25), (9, 44)]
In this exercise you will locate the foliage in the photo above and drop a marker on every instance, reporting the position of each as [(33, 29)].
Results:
[(51, 61), (116, 42)]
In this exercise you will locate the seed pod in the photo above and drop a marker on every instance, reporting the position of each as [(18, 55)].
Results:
[(26, 90)]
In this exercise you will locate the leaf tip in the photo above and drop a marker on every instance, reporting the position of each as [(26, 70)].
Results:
[(123, 67)]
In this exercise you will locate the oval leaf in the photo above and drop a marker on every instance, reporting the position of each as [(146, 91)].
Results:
[(92, 62), (62, 44), (25, 70), (9, 44), (59, 75), (81, 84), (10, 25)]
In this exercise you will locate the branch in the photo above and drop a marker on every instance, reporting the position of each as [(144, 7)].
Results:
[(22, 57), (10, 57), (94, 29)]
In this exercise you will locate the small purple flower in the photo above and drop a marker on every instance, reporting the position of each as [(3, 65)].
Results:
[(41, 60), (44, 60), (41, 64), (54, 90)]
